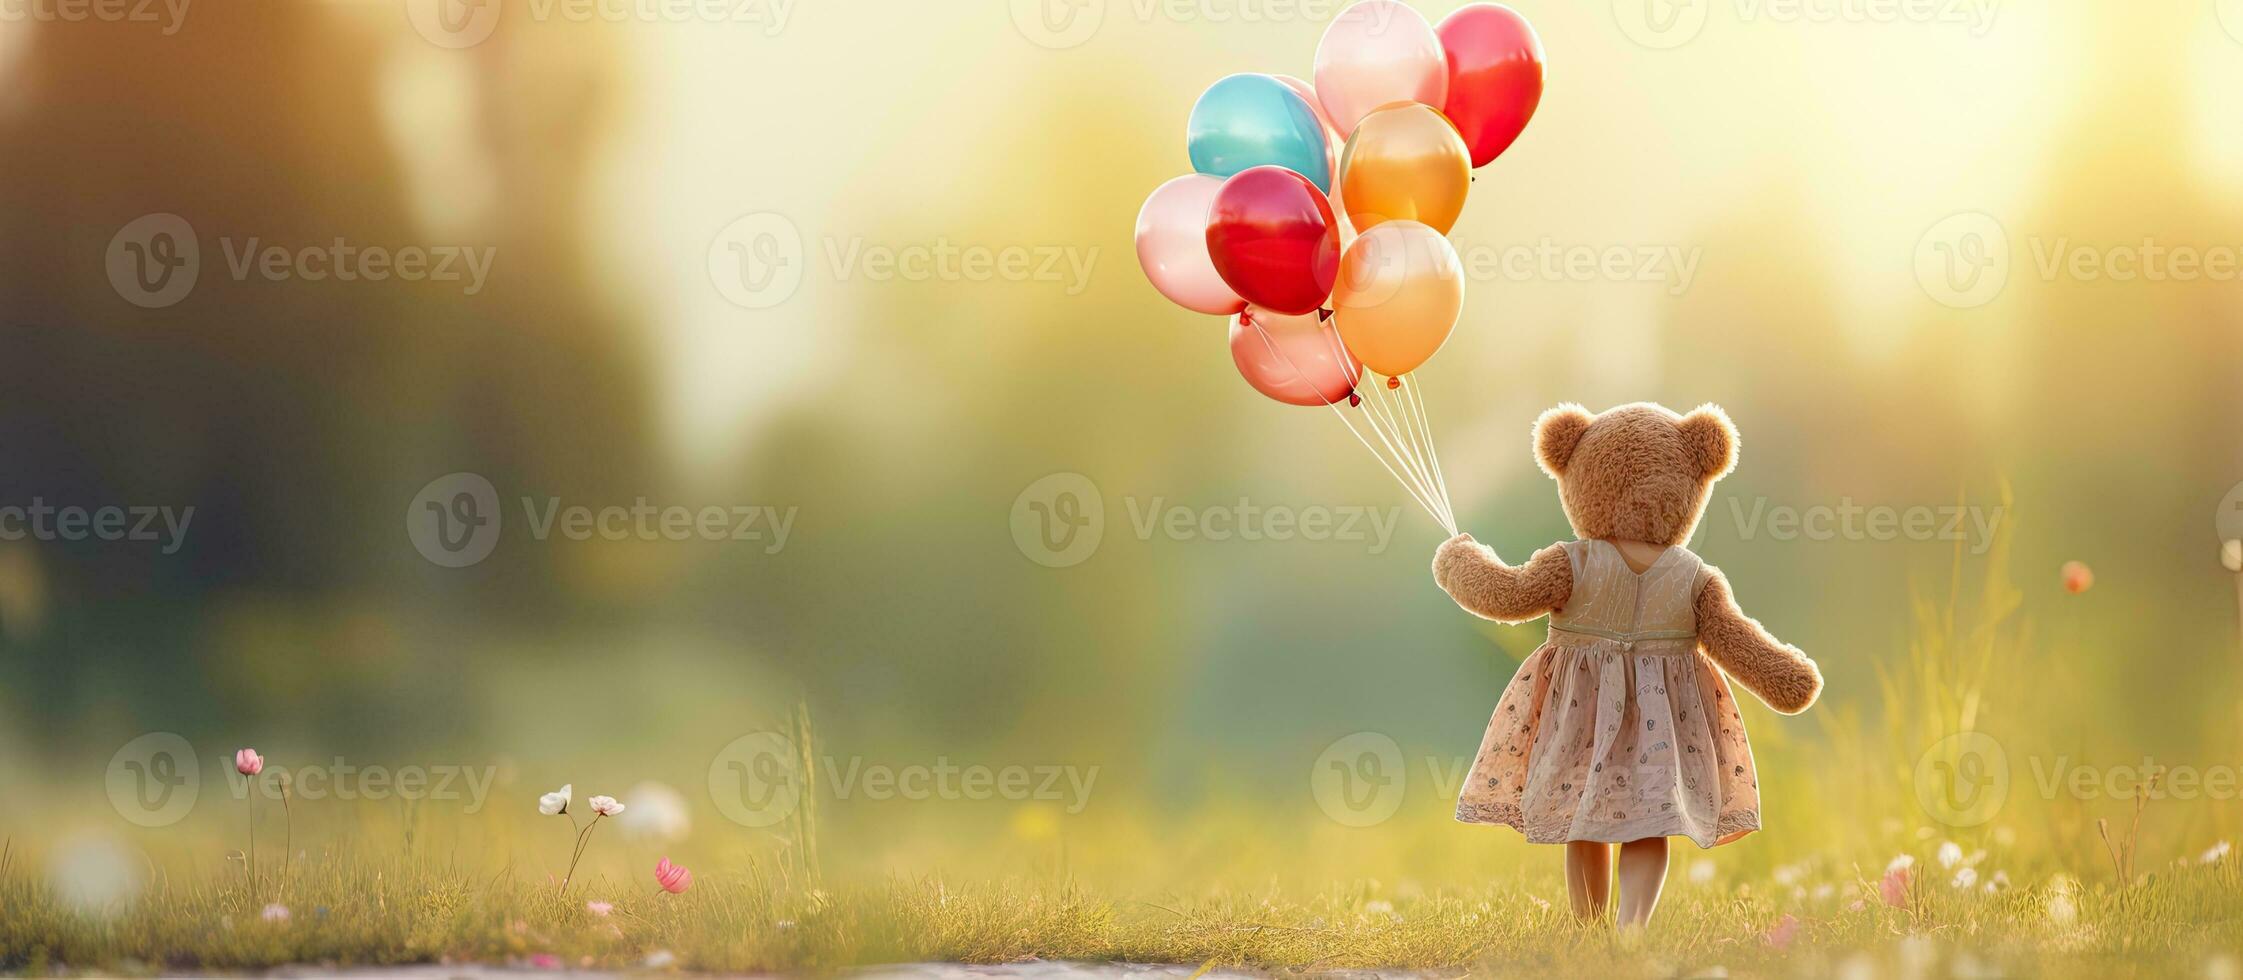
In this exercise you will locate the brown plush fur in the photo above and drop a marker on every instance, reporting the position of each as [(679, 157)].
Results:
[(1638, 472), (1635, 473), (1778, 674), (1487, 587)]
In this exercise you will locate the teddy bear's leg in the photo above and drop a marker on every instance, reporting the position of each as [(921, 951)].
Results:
[(1643, 872), (1588, 877)]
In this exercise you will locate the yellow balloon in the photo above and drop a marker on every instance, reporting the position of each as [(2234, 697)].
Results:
[(1405, 163), (1399, 292)]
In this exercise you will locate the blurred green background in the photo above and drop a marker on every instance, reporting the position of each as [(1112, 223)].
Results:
[(1805, 167)]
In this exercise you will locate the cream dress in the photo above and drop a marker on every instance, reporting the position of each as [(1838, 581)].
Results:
[(1617, 728)]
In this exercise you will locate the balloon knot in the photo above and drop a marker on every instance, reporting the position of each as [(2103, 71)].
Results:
[(1354, 400), (1393, 383), (1323, 315)]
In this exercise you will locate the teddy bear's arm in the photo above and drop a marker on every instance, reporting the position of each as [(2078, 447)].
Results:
[(1480, 582), (1777, 673)]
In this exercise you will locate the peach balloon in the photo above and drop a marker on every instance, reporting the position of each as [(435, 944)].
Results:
[(1399, 293), (1376, 52), (1298, 360), (1405, 162), (1172, 246)]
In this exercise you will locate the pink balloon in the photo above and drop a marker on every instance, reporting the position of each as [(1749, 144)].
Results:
[(1377, 52), (1172, 246), (1298, 360)]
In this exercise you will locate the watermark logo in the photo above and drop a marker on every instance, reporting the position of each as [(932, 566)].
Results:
[(153, 780), (42, 521), (1661, 24), (756, 262), (2227, 519), (1963, 261), (344, 780), (756, 779), (1062, 24), (1665, 24), (466, 23), (759, 261), (1058, 24), (1058, 521), (454, 520), (453, 24), (1359, 780), (172, 14), (1850, 521), (1674, 267), (153, 261), (1963, 779)]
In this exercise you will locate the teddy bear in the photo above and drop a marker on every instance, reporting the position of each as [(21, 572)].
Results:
[(1622, 729)]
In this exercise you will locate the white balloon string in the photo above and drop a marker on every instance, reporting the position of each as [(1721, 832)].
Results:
[(1425, 418), (1393, 411), (1423, 440), (1383, 427), (1383, 413), (1423, 499)]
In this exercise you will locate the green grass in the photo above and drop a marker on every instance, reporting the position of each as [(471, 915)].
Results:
[(386, 912), (2063, 887)]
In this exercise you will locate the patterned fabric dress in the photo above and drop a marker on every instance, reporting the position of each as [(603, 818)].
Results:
[(1617, 728)]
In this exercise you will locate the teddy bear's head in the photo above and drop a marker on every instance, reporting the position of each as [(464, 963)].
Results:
[(1637, 472)]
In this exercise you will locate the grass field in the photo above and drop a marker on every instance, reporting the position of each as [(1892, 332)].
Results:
[(1857, 875), (2178, 922)]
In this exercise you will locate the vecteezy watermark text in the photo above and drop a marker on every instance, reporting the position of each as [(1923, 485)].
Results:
[(1673, 266), (1965, 779), (342, 780), (171, 14), (455, 521), (1850, 521), (1060, 520), (1061, 24), (756, 780), (1965, 260), (758, 261), (466, 23), (1664, 24), (155, 260), (155, 780), (42, 521)]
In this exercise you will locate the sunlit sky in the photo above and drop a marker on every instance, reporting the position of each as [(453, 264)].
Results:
[(900, 122)]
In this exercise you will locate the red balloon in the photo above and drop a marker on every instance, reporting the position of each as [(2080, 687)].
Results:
[(1495, 76), (1274, 240)]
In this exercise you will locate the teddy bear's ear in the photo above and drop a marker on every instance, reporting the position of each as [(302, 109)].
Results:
[(1712, 440), (1556, 434)]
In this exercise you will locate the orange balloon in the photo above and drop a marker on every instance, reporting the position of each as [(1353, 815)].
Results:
[(1400, 290), (1405, 163)]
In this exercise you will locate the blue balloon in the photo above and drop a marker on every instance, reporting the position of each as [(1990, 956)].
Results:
[(1248, 121)]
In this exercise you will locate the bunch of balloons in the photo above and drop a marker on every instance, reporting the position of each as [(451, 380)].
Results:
[(1335, 199), (1316, 216)]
